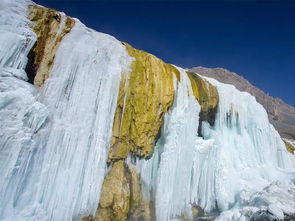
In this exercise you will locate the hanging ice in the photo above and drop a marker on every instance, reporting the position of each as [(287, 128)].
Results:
[(54, 142), (237, 158), (172, 180), (251, 155)]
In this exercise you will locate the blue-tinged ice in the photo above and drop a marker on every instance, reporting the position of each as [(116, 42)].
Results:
[(53, 142), (238, 157)]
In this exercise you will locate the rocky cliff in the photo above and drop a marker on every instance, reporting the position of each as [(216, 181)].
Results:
[(280, 114)]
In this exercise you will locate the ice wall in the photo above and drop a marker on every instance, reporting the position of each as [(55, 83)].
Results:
[(238, 157), (54, 141), (171, 154)]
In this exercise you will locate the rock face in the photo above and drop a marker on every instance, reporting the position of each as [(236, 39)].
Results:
[(145, 96), (50, 27), (207, 96), (121, 195), (290, 145), (280, 114)]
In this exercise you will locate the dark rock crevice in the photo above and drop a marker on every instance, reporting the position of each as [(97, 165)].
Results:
[(31, 67), (208, 116)]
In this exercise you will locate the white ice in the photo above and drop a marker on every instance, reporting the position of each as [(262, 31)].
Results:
[(54, 141), (238, 157), (168, 172)]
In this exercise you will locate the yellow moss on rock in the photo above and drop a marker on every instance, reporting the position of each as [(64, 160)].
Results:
[(289, 147), (207, 96), (142, 213), (121, 193), (145, 95), (204, 92), (50, 27)]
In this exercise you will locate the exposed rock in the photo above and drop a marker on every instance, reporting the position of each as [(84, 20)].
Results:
[(198, 215), (207, 96), (135, 189), (121, 194), (142, 213), (50, 27), (209, 218), (88, 218), (205, 93), (290, 145), (280, 114), (145, 95), (115, 195), (197, 211)]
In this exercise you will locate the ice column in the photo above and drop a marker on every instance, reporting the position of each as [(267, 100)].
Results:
[(167, 175), (238, 157), (54, 141)]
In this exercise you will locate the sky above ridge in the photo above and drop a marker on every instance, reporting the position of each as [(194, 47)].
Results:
[(255, 39)]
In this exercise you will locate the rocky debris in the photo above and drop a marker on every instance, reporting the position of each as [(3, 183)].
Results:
[(280, 114), (198, 214)]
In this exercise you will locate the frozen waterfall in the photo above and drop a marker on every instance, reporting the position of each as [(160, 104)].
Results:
[(54, 142), (239, 156)]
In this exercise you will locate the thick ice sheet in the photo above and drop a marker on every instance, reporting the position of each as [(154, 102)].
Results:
[(238, 157), (54, 141), (168, 172), (252, 156)]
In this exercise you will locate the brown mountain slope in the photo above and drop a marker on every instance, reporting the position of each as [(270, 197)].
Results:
[(280, 114)]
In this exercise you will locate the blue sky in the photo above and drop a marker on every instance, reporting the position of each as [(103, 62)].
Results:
[(255, 39)]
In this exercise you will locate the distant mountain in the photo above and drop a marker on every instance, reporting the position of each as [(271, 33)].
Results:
[(280, 114)]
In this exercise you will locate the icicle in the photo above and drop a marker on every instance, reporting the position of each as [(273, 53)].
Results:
[(251, 153), (239, 156), (54, 143), (167, 175)]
